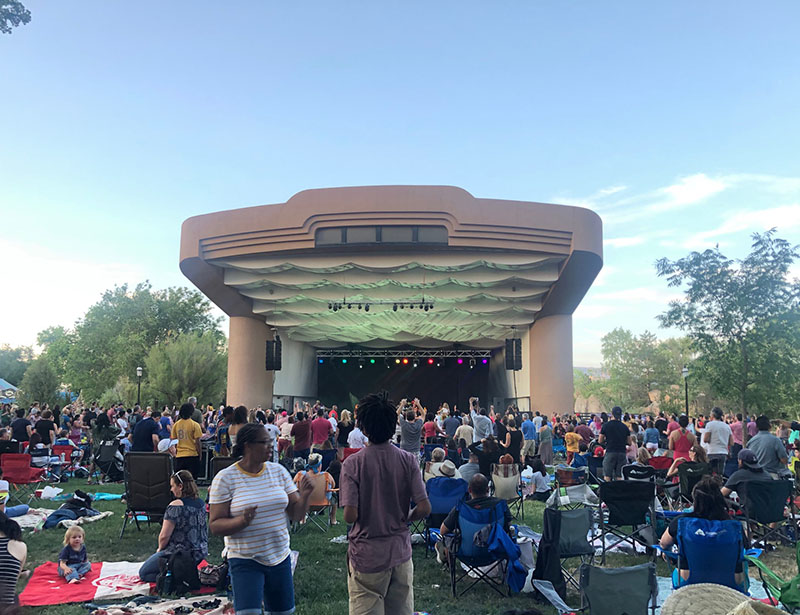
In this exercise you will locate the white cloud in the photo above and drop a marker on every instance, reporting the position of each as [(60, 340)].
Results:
[(631, 297), (55, 287), (783, 217), (688, 191), (623, 242), (602, 278)]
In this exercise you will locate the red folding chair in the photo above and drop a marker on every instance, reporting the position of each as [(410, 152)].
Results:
[(21, 477), (69, 457), (349, 451)]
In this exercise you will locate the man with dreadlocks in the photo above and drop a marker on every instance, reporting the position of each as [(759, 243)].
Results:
[(377, 486)]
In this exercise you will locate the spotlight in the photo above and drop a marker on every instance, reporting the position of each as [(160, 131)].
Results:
[(438, 363), (459, 360), (422, 305), (372, 361), (410, 306), (366, 308), (322, 360), (430, 361), (471, 363), (361, 364), (484, 361), (405, 361), (426, 307), (394, 307), (416, 363), (401, 306), (397, 360)]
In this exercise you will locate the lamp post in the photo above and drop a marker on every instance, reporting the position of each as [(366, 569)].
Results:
[(685, 372), (138, 386)]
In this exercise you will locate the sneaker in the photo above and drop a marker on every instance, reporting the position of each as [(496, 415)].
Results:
[(440, 555)]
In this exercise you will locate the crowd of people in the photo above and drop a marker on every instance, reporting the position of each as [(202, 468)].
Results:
[(250, 501)]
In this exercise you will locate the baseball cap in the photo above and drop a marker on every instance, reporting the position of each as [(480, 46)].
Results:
[(164, 444)]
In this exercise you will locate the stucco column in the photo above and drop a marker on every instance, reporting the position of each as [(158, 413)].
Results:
[(249, 384), (551, 364)]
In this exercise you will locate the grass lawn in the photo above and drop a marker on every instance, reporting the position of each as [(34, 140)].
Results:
[(321, 578)]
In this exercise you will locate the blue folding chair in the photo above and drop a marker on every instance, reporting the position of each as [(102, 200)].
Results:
[(444, 494), (328, 455), (480, 564), (711, 550), (427, 449)]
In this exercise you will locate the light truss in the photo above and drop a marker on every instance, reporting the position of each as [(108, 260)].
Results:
[(414, 353)]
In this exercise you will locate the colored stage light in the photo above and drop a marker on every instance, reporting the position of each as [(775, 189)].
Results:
[(322, 360), (344, 360), (405, 361), (430, 361), (372, 361), (397, 360), (460, 360), (485, 361)]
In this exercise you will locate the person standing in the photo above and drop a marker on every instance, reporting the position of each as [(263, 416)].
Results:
[(188, 433), (451, 424), (21, 428), (737, 429), (321, 429), (769, 450), (616, 437), (301, 431), (718, 437), (481, 423), (528, 437), (682, 440), (145, 434), (410, 431), (377, 487)]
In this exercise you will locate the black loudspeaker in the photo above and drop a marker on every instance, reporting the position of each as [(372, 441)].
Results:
[(514, 353), (273, 362)]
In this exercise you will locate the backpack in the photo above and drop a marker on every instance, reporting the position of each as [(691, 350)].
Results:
[(178, 575)]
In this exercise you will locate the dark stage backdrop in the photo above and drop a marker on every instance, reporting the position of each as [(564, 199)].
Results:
[(344, 383)]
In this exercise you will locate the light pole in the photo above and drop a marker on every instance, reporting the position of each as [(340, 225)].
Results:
[(138, 386), (685, 372)]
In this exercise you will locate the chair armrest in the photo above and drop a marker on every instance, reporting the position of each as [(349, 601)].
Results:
[(668, 554), (753, 553)]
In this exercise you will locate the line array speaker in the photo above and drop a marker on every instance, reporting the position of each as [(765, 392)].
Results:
[(514, 353), (273, 362)]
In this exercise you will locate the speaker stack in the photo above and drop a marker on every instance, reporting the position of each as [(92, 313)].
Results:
[(514, 353), (273, 363)]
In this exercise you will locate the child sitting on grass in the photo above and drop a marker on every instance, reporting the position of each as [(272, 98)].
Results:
[(73, 561)]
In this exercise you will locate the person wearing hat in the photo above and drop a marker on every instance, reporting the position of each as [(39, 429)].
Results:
[(749, 471), (314, 469), (168, 446)]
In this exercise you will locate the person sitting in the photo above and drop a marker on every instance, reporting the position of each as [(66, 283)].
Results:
[(697, 454), (749, 471), (581, 458), (184, 529), (479, 499), (642, 457), (709, 504), (487, 452), (435, 467), (314, 469), (13, 552), (471, 468), (541, 484), (41, 456)]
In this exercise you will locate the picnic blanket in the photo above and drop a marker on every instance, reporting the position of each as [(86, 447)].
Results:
[(34, 519), (203, 606)]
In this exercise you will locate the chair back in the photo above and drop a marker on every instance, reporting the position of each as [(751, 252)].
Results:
[(661, 464), (319, 496), (506, 480), (15, 465), (712, 549), (427, 450), (445, 493), (349, 451), (575, 527), (147, 477), (765, 501), (470, 522), (566, 477), (636, 472), (219, 463), (618, 591), (689, 474), (328, 455), (628, 502), (595, 465), (9, 446), (63, 449)]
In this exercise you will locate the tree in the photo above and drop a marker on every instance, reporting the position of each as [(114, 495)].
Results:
[(40, 383), (189, 364), (741, 316), (12, 14), (56, 342), (116, 334), (14, 362)]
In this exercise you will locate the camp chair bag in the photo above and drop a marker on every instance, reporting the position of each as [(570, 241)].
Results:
[(619, 591)]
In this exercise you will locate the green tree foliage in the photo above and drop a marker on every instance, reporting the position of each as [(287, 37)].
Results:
[(12, 14), (118, 332), (14, 362), (743, 320), (40, 383), (56, 342), (189, 364)]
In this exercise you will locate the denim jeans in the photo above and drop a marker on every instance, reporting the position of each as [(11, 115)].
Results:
[(78, 570), (150, 569), (255, 585), (17, 511)]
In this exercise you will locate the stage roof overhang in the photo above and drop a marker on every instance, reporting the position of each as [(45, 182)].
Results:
[(487, 267)]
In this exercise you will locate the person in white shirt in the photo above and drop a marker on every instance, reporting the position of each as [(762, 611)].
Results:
[(357, 439), (719, 438)]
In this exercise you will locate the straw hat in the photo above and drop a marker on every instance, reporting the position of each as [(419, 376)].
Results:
[(712, 599), (448, 468)]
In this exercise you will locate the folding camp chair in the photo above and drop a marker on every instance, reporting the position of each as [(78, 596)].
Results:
[(618, 591), (765, 504), (328, 455), (628, 504), (689, 474), (220, 463), (636, 472), (23, 479), (444, 494), (70, 457), (559, 448), (478, 563), (785, 592), (147, 493), (573, 530), (574, 496), (319, 503), (507, 485), (595, 466), (661, 465), (567, 476), (712, 550)]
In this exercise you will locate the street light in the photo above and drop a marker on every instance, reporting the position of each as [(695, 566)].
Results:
[(685, 373), (139, 386)]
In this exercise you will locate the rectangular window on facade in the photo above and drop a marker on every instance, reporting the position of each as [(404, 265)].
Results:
[(397, 234), (329, 236), (432, 234), (361, 234)]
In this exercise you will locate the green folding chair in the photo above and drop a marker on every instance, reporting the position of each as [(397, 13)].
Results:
[(785, 592)]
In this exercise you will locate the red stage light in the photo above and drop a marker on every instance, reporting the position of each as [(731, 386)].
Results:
[(430, 361), (405, 361)]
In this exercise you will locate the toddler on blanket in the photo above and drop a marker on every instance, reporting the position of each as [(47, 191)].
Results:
[(73, 561)]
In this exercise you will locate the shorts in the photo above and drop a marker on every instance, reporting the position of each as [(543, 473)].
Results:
[(255, 584), (612, 464), (388, 592), (651, 446)]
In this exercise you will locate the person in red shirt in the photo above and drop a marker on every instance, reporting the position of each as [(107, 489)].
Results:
[(321, 429), (301, 432)]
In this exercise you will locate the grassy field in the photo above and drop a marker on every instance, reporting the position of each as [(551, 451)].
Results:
[(321, 578)]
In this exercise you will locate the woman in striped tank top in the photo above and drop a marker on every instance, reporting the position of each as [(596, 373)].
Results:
[(12, 558)]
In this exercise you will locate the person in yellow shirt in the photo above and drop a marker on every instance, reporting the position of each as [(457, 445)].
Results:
[(573, 441), (188, 433)]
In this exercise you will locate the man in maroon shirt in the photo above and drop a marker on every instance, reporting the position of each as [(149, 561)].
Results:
[(585, 432), (321, 429), (301, 432), (377, 486)]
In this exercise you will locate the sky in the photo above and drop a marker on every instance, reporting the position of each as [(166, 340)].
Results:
[(677, 122)]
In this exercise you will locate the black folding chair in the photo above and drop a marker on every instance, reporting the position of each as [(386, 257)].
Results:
[(689, 474), (220, 463), (573, 543), (147, 493), (629, 504), (769, 511), (636, 472), (595, 470)]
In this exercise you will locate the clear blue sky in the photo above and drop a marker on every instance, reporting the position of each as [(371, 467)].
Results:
[(678, 122)]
